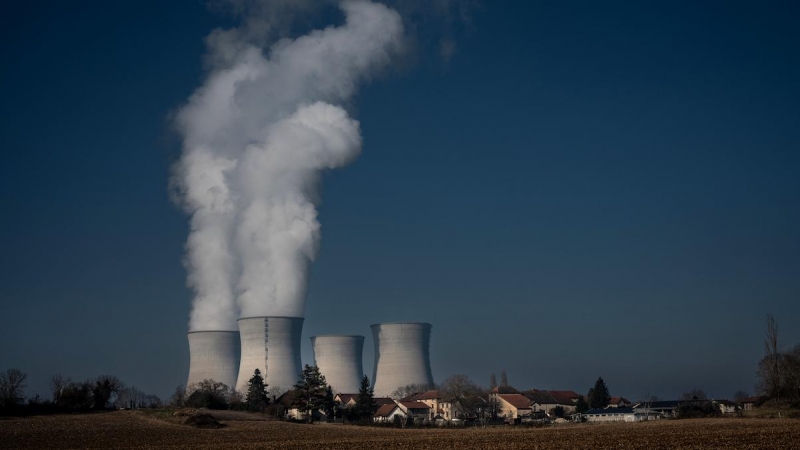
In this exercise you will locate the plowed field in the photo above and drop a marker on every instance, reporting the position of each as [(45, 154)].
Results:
[(127, 429)]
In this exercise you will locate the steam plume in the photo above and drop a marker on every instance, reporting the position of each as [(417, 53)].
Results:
[(256, 136)]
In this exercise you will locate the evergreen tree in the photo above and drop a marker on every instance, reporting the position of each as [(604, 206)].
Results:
[(598, 395), (581, 406), (329, 405), (311, 391), (365, 405), (257, 398)]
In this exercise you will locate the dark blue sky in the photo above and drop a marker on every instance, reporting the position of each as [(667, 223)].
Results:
[(585, 189)]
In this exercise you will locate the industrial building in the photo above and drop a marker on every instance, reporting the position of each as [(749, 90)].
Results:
[(402, 356), (272, 345), (213, 355), (339, 360)]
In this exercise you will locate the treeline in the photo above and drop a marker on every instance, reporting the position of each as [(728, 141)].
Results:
[(101, 393)]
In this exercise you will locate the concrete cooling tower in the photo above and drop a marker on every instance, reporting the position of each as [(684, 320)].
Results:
[(272, 345), (339, 360), (213, 355), (402, 356)]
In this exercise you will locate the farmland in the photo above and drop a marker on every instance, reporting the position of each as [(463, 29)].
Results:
[(128, 429)]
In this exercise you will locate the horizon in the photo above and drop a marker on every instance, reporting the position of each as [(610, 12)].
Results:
[(564, 191)]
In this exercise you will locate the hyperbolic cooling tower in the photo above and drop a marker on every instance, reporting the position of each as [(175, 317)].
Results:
[(402, 356), (272, 345), (213, 355), (339, 360)]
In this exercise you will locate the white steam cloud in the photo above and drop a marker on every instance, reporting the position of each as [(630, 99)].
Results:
[(256, 137)]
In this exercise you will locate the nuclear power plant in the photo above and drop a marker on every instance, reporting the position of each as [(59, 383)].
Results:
[(339, 360), (213, 355), (402, 356), (272, 345)]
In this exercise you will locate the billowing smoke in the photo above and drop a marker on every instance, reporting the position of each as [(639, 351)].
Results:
[(256, 137)]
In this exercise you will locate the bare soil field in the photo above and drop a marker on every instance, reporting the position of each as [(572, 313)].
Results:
[(131, 429)]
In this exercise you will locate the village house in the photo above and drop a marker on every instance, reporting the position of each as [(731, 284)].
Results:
[(348, 400), (513, 406), (750, 403), (619, 402), (387, 413), (667, 408), (439, 409), (547, 402), (725, 406), (419, 411), (564, 396)]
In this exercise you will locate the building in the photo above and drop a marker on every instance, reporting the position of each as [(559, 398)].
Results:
[(664, 408), (419, 411), (388, 413), (611, 415), (402, 356), (619, 402), (547, 402), (750, 403), (513, 406), (439, 408)]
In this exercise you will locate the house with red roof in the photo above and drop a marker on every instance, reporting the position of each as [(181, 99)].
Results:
[(513, 406), (387, 413)]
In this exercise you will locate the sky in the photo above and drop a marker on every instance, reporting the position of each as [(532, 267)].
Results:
[(578, 189)]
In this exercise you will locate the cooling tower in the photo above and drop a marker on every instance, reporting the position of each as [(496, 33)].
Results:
[(339, 360), (272, 345), (213, 355), (402, 356)]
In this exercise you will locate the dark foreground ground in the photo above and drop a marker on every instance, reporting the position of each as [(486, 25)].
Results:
[(127, 429)]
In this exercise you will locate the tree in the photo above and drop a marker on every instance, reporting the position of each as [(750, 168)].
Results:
[(694, 394), (503, 378), (365, 405), (410, 389), (740, 396), (178, 399), (311, 391), (598, 395), (77, 396), (12, 387), (105, 387), (770, 365), (581, 406), (463, 394), (329, 405), (208, 394), (58, 383), (779, 371), (492, 381), (257, 398)]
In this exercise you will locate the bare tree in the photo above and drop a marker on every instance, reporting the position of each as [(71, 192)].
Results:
[(405, 391), (769, 368), (503, 378), (178, 397), (58, 383), (739, 396), (492, 381), (12, 386), (694, 394), (463, 394)]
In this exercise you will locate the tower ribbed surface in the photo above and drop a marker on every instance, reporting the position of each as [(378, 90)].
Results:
[(339, 360), (402, 356), (213, 355), (272, 345)]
